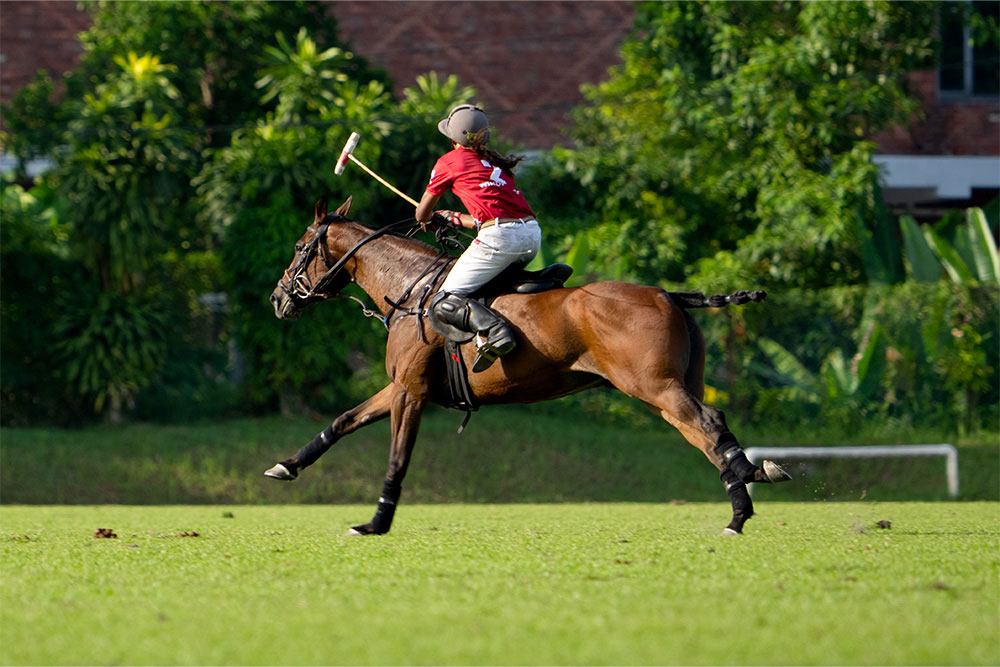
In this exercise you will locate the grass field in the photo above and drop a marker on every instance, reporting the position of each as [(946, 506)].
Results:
[(607, 583)]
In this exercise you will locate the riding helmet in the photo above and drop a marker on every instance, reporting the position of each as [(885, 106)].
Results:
[(463, 121)]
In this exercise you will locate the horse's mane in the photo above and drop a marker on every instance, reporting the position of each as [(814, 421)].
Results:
[(333, 218)]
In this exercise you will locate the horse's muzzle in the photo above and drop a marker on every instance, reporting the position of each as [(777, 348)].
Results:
[(284, 305)]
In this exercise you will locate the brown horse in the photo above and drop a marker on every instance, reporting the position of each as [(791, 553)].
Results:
[(640, 340)]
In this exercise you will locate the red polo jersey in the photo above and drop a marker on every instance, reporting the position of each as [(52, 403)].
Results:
[(486, 191)]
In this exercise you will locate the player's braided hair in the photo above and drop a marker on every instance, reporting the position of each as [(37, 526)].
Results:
[(477, 142)]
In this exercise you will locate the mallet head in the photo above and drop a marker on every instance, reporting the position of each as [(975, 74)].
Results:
[(352, 143)]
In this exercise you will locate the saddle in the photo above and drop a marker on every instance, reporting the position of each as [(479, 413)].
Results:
[(515, 279), (512, 280)]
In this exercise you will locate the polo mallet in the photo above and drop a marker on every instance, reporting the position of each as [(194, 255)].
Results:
[(348, 154)]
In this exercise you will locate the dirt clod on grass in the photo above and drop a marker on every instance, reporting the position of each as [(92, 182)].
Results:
[(188, 533), (104, 533), (884, 524)]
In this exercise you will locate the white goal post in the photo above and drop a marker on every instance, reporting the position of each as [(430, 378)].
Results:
[(755, 454)]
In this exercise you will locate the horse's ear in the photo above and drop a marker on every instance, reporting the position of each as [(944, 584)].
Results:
[(345, 208), (321, 209)]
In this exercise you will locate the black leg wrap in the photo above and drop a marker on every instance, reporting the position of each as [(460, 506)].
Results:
[(315, 448), (382, 520), (386, 510), (739, 497), (734, 458)]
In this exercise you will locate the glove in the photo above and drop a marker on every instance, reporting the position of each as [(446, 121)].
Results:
[(452, 217), (436, 222)]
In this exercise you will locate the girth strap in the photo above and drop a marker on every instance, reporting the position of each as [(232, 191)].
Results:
[(462, 397)]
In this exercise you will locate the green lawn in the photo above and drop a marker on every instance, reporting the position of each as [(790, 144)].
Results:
[(605, 583), (509, 454)]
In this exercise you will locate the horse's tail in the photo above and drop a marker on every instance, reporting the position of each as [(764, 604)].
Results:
[(699, 300)]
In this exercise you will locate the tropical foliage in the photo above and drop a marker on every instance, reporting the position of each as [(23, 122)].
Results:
[(127, 139), (730, 149), (922, 343), (731, 144)]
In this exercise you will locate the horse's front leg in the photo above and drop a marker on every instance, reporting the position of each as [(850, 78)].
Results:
[(375, 408), (407, 409)]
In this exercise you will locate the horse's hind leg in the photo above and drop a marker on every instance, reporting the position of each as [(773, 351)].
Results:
[(705, 428), (375, 408)]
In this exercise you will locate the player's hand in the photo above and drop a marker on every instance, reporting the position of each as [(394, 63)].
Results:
[(436, 222), (452, 217)]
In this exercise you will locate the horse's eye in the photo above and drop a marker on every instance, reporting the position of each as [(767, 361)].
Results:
[(299, 247)]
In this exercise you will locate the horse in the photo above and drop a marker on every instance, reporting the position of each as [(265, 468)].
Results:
[(639, 339)]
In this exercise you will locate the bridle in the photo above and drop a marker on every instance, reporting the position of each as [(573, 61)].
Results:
[(299, 288)]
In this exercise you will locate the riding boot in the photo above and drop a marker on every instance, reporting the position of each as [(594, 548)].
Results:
[(494, 336)]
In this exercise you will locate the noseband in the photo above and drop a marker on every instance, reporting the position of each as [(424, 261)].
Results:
[(299, 287)]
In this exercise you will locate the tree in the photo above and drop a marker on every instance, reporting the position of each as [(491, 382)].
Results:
[(35, 270), (123, 179), (732, 149), (158, 84), (189, 145), (734, 138), (218, 46)]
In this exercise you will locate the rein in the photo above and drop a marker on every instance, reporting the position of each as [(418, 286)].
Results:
[(299, 286), (328, 276), (445, 237)]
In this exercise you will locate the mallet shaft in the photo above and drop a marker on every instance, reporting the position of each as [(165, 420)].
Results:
[(381, 180)]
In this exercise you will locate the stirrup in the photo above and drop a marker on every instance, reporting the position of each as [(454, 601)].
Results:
[(488, 351)]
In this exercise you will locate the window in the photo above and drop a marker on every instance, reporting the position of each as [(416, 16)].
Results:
[(970, 51)]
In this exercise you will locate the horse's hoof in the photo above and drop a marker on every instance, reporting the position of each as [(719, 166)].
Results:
[(363, 529), (775, 473), (278, 471), (728, 531)]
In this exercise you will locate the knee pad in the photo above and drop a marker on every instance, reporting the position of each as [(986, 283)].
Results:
[(449, 306), (449, 315)]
